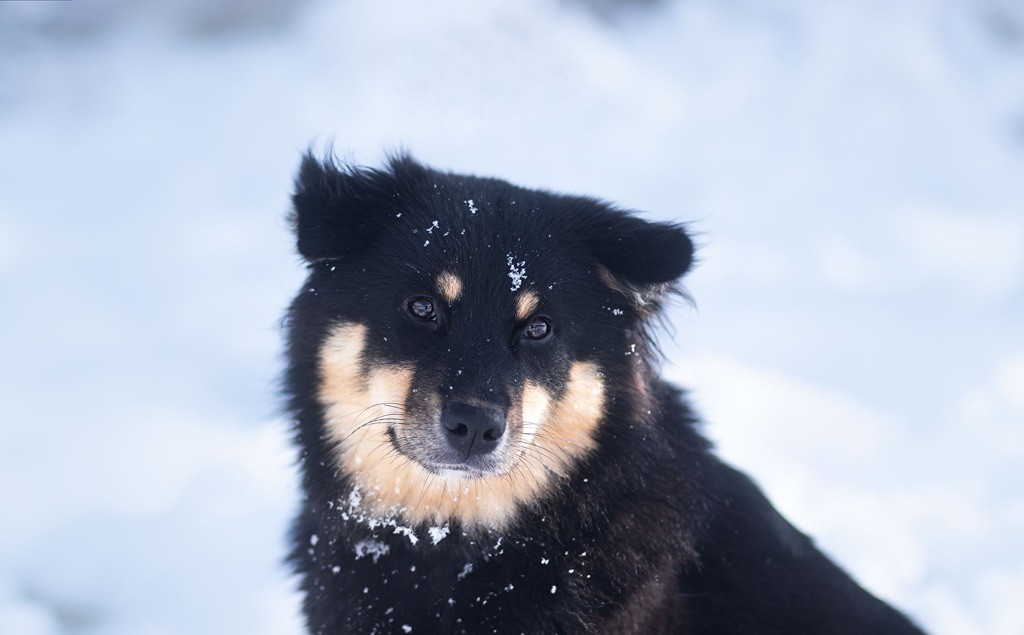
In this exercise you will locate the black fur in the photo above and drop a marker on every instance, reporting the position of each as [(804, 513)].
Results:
[(650, 533)]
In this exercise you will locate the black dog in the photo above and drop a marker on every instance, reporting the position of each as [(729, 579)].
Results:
[(485, 444)]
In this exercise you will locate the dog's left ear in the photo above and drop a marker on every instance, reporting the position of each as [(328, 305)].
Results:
[(643, 259)]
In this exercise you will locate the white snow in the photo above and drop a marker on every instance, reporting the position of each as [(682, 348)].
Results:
[(408, 532), (853, 171), (372, 548), (374, 521), (437, 534), (516, 271)]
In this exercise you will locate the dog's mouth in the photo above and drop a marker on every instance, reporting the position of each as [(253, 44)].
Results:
[(452, 469)]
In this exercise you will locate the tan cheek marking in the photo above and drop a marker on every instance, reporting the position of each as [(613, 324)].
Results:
[(450, 286), (536, 402), (574, 418), (353, 403), (362, 432), (339, 363), (526, 304)]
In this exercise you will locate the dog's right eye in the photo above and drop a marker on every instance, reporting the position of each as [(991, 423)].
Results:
[(422, 308)]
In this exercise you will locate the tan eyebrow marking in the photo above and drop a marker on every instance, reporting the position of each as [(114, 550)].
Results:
[(450, 286), (526, 304)]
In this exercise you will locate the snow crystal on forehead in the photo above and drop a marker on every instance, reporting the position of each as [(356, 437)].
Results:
[(516, 271)]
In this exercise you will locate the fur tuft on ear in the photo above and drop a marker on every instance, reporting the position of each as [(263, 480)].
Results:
[(639, 258), (336, 210)]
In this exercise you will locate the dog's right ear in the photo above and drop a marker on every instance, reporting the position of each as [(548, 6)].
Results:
[(334, 209)]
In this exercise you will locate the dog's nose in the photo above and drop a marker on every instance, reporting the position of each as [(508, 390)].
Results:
[(472, 428)]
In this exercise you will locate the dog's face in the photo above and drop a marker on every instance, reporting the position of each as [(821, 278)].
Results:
[(466, 339)]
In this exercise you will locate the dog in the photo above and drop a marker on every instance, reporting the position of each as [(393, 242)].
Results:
[(485, 444)]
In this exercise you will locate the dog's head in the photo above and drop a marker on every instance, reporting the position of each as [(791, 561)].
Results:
[(466, 339)]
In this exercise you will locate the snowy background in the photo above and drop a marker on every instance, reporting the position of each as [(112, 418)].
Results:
[(855, 171)]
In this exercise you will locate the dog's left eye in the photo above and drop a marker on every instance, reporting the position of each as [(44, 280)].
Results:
[(537, 329)]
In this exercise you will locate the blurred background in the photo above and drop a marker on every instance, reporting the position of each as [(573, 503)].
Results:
[(855, 171)]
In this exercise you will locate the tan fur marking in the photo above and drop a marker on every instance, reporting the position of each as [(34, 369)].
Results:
[(526, 304), (643, 298), (536, 404), (569, 430), (358, 410), (450, 286), (613, 283)]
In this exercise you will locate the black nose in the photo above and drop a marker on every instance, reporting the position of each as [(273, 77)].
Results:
[(472, 428)]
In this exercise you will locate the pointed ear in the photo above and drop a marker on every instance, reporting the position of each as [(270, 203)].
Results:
[(641, 252), (334, 209), (640, 258)]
